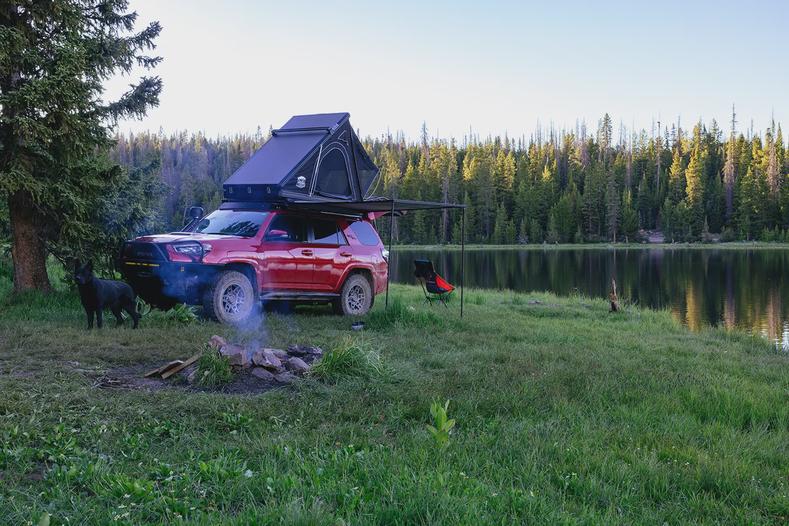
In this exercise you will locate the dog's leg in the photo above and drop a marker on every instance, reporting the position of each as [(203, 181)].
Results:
[(131, 308), (90, 318), (99, 318), (116, 311)]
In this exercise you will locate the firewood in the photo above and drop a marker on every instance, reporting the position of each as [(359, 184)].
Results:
[(613, 297), (163, 369), (179, 368)]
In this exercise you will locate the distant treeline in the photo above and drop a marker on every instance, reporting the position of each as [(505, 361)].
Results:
[(557, 186)]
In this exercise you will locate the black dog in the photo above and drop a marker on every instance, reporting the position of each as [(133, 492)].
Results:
[(99, 294)]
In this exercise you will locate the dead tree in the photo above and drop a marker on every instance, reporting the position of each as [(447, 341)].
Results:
[(613, 297)]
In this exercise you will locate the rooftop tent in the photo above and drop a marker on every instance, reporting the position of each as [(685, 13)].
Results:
[(311, 158)]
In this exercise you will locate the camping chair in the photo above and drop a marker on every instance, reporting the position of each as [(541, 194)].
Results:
[(433, 285)]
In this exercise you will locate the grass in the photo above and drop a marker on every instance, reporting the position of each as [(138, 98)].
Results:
[(213, 369), (351, 357), (563, 413)]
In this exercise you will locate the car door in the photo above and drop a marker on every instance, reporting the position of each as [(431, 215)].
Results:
[(330, 251), (287, 260)]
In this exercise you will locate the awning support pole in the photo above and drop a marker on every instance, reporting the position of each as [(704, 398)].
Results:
[(462, 255), (391, 256)]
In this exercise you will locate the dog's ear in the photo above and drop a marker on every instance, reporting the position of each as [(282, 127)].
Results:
[(89, 266), (77, 264)]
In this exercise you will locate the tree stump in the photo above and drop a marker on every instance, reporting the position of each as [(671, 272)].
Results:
[(613, 297)]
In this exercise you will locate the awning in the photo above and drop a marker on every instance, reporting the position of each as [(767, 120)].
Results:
[(378, 206)]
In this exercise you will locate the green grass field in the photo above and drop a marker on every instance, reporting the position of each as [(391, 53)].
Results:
[(565, 414)]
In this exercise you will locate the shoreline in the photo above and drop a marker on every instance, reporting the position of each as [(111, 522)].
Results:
[(733, 245)]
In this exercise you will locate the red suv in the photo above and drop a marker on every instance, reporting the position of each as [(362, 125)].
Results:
[(234, 259)]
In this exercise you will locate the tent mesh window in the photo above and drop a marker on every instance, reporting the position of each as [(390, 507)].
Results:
[(366, 171), (301, 181), (333, 175)]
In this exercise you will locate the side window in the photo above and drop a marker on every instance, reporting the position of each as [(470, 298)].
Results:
[(287, 229), (325, 232), (333, 175), (365, 233)]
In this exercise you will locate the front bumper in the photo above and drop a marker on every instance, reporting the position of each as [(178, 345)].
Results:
[(164, 283)]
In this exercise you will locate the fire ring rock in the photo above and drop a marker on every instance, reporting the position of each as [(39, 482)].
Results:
[(297, 365), (266, 358), (263, 374), (284, 378)]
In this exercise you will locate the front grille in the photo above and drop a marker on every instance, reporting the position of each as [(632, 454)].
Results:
[(143, 251)]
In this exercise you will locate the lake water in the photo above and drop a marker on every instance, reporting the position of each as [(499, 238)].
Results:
[(728, 287)]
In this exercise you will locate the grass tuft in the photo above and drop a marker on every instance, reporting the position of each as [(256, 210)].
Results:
[(349, 358), (400, 314), (213, 369)]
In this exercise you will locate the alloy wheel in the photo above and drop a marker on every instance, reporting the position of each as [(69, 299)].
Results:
[(233, 299), (356, 299)]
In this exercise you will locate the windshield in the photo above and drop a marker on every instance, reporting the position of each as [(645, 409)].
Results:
[(231, 223)]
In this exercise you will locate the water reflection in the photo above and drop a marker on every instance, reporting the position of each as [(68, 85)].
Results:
[(741, 288)]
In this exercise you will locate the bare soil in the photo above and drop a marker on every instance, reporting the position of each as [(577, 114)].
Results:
[(132, 378)]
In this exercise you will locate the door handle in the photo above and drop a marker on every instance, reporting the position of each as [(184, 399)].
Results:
[(306, 252), (346, 254)]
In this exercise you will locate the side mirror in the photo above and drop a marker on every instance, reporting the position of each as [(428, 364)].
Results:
[(195, 213), (277, 235)]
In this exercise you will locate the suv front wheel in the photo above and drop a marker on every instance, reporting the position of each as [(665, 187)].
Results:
[(356, 297), (230, 298)]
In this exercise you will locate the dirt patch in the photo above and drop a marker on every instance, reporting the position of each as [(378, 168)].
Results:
[(132, 378)]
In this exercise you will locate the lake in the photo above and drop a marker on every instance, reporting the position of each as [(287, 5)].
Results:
[(746, 288)]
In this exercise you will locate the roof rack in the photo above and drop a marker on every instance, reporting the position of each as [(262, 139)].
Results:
[(311, 129)]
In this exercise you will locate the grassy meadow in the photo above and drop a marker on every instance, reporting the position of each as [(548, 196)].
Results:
[(565, 414)]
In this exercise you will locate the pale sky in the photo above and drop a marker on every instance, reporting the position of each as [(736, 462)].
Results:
[(233, 65)]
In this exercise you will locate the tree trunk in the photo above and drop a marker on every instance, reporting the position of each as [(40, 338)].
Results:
[(27, 250)]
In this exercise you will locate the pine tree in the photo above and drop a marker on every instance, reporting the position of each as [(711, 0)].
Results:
[(54, 123), (523, 232), (612, 208), (676, 178), (695, 192), (500, 228), (629, 217)]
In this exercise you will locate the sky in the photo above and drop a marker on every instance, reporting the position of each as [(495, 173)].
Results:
[(491, 66)]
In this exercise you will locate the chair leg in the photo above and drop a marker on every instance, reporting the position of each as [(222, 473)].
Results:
[(424, 291)]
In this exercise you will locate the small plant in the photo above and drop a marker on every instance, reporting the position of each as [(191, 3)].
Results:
[(349, 358), (213, 369), (442, 424), (143, 307), (182, 314)]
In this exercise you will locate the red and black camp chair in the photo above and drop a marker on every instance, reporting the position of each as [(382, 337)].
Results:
[(433, 285)]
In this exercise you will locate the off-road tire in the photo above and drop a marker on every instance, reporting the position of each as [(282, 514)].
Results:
[(356, 297), (231, 298)]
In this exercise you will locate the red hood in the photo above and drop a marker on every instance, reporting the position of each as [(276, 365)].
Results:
[(184, 236)]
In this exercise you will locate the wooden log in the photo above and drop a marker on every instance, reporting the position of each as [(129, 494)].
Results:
[(164, 368), (613, 297), (181, 367)]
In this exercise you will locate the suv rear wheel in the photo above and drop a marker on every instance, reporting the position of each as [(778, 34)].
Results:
[(230, 298), (356, 297)]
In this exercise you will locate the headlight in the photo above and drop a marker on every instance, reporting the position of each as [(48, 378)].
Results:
[(187, 249), (385, 254), (190, 250)]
